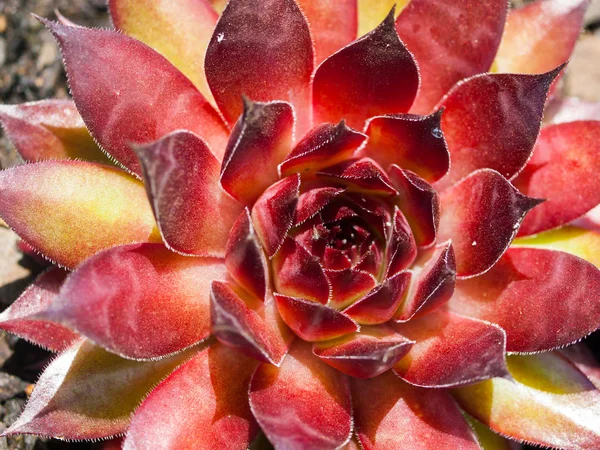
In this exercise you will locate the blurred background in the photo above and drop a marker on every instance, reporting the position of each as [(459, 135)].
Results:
[(31, 69)]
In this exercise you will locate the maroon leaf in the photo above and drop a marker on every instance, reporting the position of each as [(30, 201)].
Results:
[(402, 249), (347, 285), (363, 175)]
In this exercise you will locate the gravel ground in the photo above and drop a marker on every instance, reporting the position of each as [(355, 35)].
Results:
[(31, 69)]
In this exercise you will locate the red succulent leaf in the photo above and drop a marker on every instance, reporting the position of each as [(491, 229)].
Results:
[(311, 202), (391, 414), (362, 175), (178, 30), (371, 261), (366, 354), (451, 41), (374, 75), (303, 404), (20, 317), (543, 299), (70, 210), (484, 197), (379, 305), (489, 123), (433, 286), (540, 36), (181, 176), (322, 146), (299, 274), (274, 211), (75, 396), (260, 140), (49, 129), (114, 79), (264, 51), (248, 325), (313, 321), (129, 300), (413, 142), (451, 350), (245, 259), (348, 285), (216, 378), (333, 24), (563, 170), (419, 202), (548, 402), (402, 248)]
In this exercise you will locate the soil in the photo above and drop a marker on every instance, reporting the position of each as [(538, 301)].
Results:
[(31, 69)]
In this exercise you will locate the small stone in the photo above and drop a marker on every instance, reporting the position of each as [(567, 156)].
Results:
[(10, 386), (3, 23)]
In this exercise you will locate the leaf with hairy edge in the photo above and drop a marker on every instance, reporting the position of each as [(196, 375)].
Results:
[(20, 317), (540, 36), (262, 50), (489, 123), (484, 197), (402, 248), (217, 379), (488, 440), (391, 414), (179, 30), (543, 299), (563, 170), (303, 404), (259, 142), (373, 76), (348, 285), (451, 350), (70, 210), (193, 212), (451, 41), (363, 175), (548, 403), (49, 129), (129, 300), (88, 393), (126, 92)]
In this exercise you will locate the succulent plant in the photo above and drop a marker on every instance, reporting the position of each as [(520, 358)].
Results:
[(263, 227)]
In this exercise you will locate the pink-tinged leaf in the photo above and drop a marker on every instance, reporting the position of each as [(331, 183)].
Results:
[(390, 414), (264, 51), (274, 211), (363, 175), (89, 393), (217, 379), (571, 109), (304, 404), (379, 305), (311, 202), (179, 30), (415, 143), (543, 299), (248, 325), (583, 358), (549, 403), (260, 141), (126, 92), (129, 300), (324, 145), (540, 36), (450, 41), (419, 202), (373, 76), (402, 248), (563, 170), (70, 210), (484, 197), (245, 259), (20, 317), (366, 354), (433, 286), (489, 123), (313, 321), (333, 24), (297, 273), (348, 285), (49, 129), (451, 350), (181, 176)]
